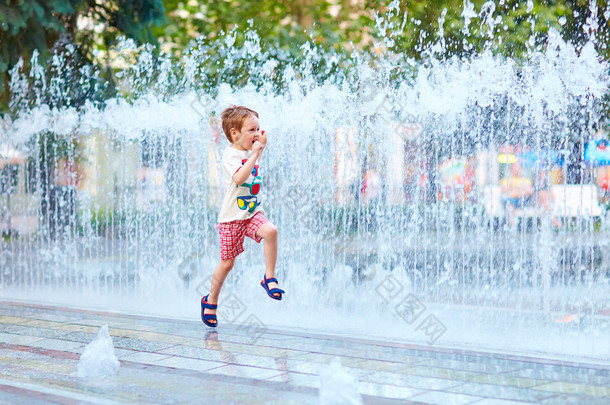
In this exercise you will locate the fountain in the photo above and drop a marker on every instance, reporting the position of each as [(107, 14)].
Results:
[(384, 178)]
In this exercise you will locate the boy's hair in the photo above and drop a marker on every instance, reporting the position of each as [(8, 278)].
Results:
[(234, 117)]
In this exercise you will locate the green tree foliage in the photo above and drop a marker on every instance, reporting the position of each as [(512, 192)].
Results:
[(286, 23), (456, 27), (509, 27), (29, 25), (589, 18), (409, 28)]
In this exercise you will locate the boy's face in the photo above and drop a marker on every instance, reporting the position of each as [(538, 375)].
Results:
[(244, 139)]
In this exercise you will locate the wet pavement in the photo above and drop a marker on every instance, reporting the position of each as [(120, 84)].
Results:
[(176, 361)]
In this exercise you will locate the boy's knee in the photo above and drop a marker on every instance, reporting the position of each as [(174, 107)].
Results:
[(272, 232), (227, 265)]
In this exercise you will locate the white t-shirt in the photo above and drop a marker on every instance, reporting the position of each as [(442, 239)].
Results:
[(240, 202)]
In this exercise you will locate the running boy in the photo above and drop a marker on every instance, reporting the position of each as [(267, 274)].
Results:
[(241, 214)]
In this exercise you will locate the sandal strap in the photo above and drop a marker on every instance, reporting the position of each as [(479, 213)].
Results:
[(204, 303), (209, 316), (276, 290), (270, 280)]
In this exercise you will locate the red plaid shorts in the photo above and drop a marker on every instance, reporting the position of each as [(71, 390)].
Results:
[(232, 235)]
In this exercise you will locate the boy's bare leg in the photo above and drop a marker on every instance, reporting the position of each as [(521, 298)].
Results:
[(218, 279), (268, 232)]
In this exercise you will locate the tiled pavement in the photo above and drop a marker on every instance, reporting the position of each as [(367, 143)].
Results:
[(172, 361)]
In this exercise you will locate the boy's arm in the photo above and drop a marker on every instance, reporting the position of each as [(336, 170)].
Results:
[(242, 174)]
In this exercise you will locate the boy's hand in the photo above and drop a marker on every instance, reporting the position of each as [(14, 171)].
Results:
[(257, 147), (262, 138)]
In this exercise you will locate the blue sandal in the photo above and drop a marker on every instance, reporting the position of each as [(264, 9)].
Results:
[(270, 292), (206, 318)]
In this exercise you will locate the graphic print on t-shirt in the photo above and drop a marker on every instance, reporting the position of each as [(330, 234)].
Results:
[(250, 202)]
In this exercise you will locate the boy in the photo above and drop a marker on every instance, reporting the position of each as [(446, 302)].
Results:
[(240, 214)]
